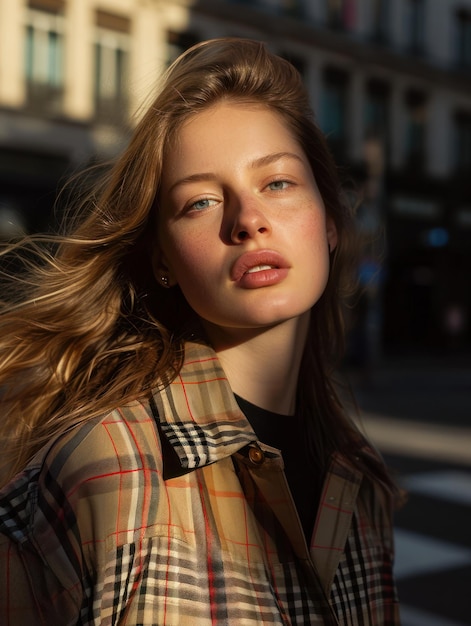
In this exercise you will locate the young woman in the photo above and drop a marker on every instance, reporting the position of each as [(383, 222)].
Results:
[(175, 450)]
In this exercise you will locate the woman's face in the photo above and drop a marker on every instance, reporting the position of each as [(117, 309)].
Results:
[(242, 226)]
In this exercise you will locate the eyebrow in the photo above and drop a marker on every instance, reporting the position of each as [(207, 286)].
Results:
[(275, 156), (263, 161)]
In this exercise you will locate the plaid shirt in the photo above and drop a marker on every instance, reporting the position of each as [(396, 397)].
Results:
[(187, 519)]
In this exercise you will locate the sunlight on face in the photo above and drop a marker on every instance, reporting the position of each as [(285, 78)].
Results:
[(242, 225)]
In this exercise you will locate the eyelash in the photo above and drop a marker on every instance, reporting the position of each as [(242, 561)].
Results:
[(281, 180), (285, 183), (192, 206)]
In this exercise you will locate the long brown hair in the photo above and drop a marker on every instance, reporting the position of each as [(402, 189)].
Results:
[(84, 325)]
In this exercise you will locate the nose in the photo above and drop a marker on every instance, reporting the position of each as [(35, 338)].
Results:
[(248, 220)]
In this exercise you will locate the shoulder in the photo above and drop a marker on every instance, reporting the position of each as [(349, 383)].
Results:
[(123, 438), (377, 497), (95, 463), (375, 490), (85, 494)]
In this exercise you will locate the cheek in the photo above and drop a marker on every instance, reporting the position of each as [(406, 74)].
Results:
[(314, 232), (185, 255), (314, 249)]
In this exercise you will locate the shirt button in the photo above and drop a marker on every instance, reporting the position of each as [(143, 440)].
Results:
[(256, 456)]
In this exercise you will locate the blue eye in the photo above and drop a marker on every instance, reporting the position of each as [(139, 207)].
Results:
[(278, 185), (204, 203)]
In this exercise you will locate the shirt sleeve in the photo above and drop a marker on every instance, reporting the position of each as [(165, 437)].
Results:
[(64, 522), (30, 590), (30, 593)]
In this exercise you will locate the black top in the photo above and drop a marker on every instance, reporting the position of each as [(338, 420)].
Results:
[(286, 433)]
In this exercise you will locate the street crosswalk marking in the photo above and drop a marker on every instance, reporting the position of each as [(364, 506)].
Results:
[(451, 485), (418, 554), (415, 617), (418, 439)]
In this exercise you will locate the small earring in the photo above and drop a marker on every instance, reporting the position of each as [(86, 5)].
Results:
[(164, 280)]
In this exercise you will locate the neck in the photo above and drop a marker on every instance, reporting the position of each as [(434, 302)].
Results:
[(262, 366)]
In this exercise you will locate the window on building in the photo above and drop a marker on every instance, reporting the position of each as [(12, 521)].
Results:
[(334, 101), (296, 8), (111, 66), (44, 55), (177, 43), (415, 25), (462, 142), (416, 124), (380, 20), (250, 3), (377, 112), (341, 14), (463, 38)]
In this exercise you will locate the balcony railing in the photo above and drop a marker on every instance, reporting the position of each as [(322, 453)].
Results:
[(45, 99), (114, 111)]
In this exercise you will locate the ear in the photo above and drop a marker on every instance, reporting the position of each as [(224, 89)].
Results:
[(161, 271), (331, 231)]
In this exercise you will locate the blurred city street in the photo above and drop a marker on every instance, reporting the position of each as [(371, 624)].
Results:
[(390, 87), (418, 412)]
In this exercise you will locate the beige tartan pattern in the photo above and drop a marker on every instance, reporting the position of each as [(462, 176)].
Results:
[(91, 533)]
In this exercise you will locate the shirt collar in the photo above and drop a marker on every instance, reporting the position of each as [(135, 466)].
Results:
[(198, 412)]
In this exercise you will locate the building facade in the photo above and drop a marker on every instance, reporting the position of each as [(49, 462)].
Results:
[(389, 80)]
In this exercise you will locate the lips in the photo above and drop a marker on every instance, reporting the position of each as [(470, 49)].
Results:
[(257, 261), (259, 268)]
